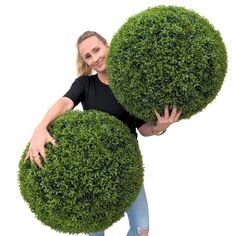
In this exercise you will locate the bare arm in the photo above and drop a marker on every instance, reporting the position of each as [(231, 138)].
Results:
[(62, 105), (41, 136)]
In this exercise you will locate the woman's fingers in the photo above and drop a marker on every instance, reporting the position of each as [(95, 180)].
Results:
[(36, 149), (34, 156), (52, 141), (167, 117), (158, 115), (177, 116), (173, 114), (38, 161), (42, 152), (31, 153), (166, 111)]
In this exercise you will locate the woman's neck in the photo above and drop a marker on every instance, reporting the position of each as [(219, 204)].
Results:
[(103, 78)]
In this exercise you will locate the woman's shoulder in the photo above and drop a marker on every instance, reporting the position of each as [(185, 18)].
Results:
[(86, 78), (83, 80)]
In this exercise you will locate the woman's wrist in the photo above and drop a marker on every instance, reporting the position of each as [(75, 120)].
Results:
[(157, 132), (41, 126)]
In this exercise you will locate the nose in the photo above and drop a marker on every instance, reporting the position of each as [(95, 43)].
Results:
[(95, 59)]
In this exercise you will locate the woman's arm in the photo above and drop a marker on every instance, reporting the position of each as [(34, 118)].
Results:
[(163, 122), (64, 104), (41, 136)]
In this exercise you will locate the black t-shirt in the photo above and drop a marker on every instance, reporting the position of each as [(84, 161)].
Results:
[(93, 94)]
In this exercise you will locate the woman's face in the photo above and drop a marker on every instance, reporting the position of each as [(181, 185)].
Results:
[(94, 53)]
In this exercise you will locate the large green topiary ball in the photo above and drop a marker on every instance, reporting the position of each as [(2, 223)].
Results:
[(89, 179), (166, 55)]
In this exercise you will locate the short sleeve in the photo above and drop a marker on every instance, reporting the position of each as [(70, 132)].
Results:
[(139, 123), (77, 91)]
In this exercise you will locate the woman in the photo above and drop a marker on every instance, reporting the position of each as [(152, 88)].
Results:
[(94, 93)]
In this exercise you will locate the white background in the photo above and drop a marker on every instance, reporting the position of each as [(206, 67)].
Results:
[(190, 172)]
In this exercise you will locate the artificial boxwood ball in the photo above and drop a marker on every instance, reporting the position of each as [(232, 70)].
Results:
[(90, 178), (166, 55)]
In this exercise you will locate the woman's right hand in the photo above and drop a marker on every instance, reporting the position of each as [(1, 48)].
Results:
[(41, 136), (36, 150)]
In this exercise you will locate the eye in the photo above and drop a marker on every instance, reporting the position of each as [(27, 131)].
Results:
[(96, 49), (87, 56)]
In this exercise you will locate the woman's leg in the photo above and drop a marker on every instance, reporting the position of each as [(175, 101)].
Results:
[(96, 234), (138, 216)]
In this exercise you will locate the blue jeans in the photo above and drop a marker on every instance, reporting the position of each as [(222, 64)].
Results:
[(138, 216)]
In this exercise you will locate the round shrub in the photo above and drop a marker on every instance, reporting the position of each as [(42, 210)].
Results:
[(166, 55), (89, 179)]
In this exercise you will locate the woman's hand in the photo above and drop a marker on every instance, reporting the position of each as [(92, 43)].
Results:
[(36, 149), (163, 122), (41, 136)]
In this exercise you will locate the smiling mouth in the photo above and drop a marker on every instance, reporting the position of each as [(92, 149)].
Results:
[(100, 63)]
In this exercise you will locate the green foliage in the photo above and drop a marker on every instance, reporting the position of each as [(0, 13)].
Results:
[(166, 55), (89, 179)]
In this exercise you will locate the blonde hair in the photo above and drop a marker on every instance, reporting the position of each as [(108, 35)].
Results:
[(81, 65)]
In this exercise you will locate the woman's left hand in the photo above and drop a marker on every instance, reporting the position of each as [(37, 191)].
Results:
[(163, 122)]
